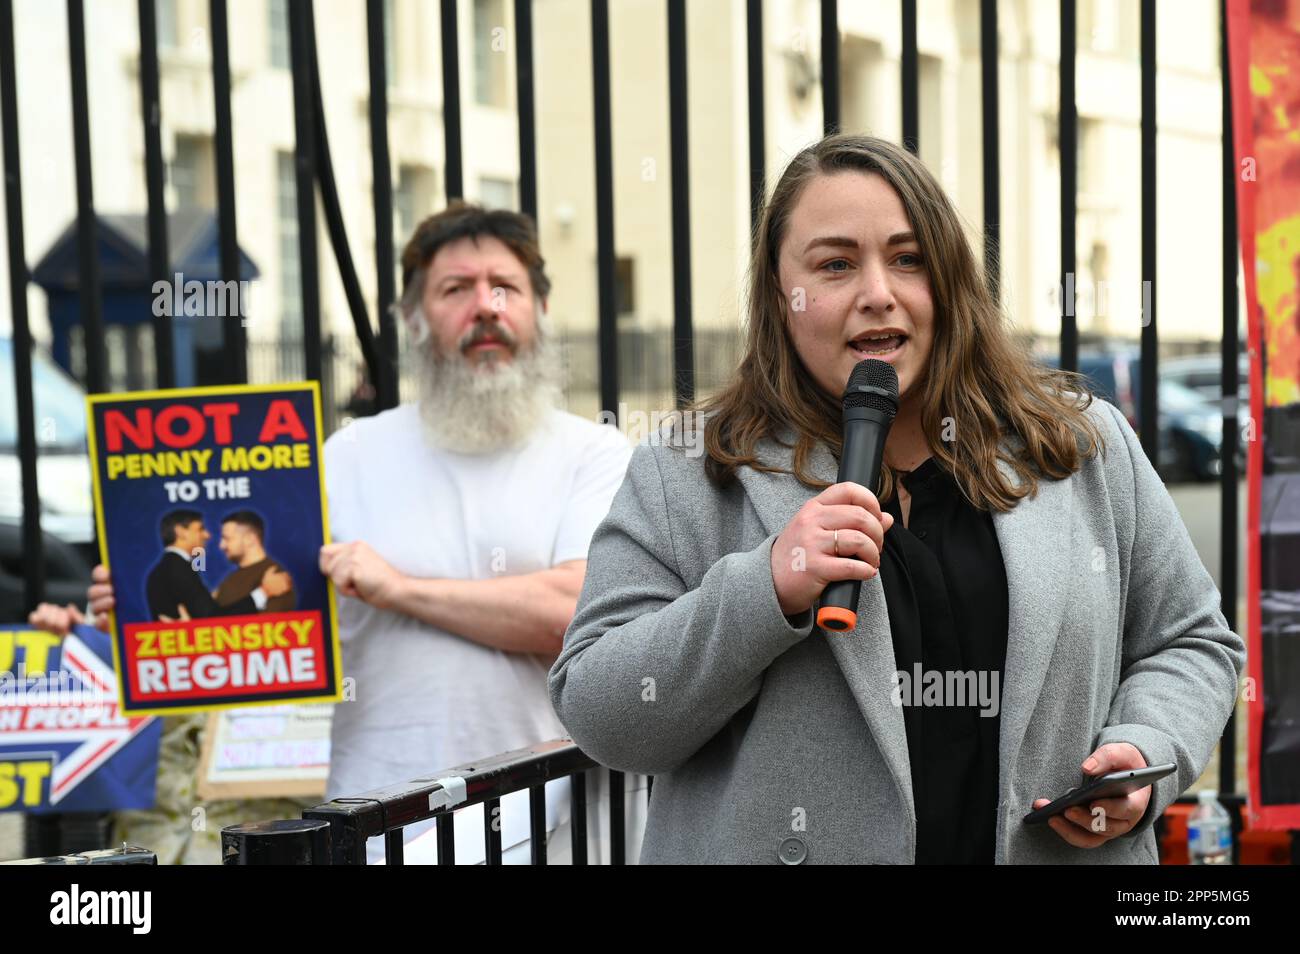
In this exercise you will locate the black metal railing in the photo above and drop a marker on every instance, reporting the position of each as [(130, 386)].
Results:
[(384, 813)]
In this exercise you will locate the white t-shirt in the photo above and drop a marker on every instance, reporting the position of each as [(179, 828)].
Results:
[(426, 699)]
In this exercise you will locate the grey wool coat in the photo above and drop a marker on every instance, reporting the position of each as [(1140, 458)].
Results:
[(773, 740)]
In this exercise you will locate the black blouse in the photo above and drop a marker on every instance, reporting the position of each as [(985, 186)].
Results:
[(946, 591)]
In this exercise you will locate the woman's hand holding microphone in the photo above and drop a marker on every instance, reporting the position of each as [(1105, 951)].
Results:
[(837, 535)]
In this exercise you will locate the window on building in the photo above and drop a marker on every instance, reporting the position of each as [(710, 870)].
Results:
[(390, 42), (490, 53), (1099, 270), (1109, 26), (930, 107), (1089, 156), (496, 193), (168, 29), (624, 285), (193, 173), (860, 64), (1096, 25), (412, 201)]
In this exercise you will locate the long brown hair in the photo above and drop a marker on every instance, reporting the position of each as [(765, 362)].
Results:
[(980, 379)]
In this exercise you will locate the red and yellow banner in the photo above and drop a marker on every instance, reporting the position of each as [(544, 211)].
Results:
[(211, 511), (1264, 52)]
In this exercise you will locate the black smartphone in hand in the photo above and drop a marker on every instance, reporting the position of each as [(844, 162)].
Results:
[(1111, 785)]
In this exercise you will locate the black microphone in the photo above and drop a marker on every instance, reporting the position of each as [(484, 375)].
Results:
[(870, 403)]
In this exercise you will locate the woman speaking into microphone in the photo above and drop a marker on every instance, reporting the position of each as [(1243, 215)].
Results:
[(1032, 610)]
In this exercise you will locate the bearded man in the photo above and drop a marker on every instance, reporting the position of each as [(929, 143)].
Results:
[(464, 519), (462, 524)]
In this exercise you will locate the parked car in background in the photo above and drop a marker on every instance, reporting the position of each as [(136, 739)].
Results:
[(1194, 426), (63, 477), (1189, 426), (1203, 373)]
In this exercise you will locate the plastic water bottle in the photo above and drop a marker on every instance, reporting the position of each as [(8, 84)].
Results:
[(1209, 831)]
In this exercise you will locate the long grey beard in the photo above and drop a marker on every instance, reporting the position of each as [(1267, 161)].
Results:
[(478, 410)]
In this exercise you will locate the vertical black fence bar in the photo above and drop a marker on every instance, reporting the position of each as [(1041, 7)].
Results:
[(333, 209), (683, 336), (537, 823), (992, 163), (1149, 392), (1067, 137), (305, 168), (757, 104), (911, 81), (446, 826), (386, 388), (830, 67), (617, 819), (91, 302), (607, 331), (234, 336), (527, 108), (151, 112), (451, 101), (33, 546), (492, 831), (578, 816), (394, 848), (1228, 473)]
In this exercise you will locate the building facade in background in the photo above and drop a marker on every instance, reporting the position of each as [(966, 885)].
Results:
[(1109, 227)]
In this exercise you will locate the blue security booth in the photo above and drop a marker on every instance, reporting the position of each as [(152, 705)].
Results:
[(128, 294)]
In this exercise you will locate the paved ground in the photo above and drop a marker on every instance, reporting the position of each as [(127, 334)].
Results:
[(11, 836), (1199, 505)]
